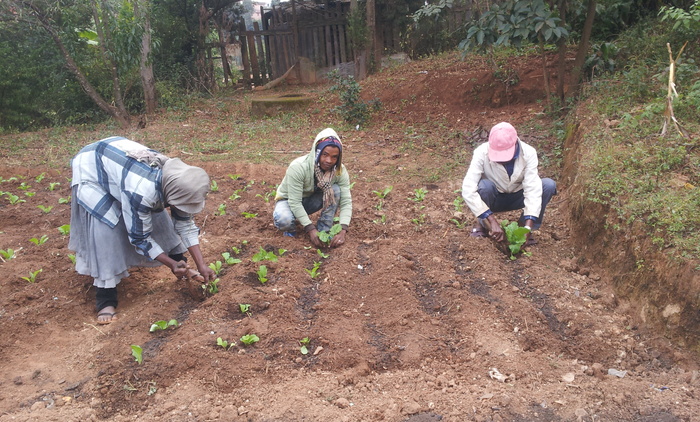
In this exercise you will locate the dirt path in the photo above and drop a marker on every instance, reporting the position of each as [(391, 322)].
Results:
[(411, 320)]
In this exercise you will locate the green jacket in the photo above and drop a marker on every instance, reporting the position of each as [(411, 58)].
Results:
[(299, 182)]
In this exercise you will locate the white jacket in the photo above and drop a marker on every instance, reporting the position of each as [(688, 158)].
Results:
[(524, 177)]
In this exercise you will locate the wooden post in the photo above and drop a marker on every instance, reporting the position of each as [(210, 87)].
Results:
[(266, 39), (244, 53), (261, 53)]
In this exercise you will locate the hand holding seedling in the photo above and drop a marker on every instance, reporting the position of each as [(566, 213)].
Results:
[(496, 232), (338, 239), (315, 240)]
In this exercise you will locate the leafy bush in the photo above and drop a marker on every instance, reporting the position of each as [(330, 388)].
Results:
[(353, 109)]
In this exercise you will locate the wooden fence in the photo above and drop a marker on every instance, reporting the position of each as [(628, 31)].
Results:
[(319, 35)]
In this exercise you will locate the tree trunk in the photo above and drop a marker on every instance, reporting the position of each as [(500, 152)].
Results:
[(105, 39), (204, 76), (371, 24), (545, 75), (148, 81), (561, 64), (359, 55), (582, 48), (116, 114)]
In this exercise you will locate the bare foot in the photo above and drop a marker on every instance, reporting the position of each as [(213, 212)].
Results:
[(107, 315)]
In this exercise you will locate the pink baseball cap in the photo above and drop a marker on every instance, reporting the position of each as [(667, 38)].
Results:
[(502, 139)]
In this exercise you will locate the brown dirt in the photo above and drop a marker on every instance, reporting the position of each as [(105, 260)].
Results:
[(406, 322)]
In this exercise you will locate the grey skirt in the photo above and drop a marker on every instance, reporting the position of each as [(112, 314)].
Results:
[(106, 254)]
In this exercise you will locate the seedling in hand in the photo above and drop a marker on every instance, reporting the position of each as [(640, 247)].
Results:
[(45, 209), (262, 274), (64, 229), (7, 254), (162, 325), (515, 235), (327, 236), (39, 241), (313, 272), (229, 259), (137, 353), (304, 342), (249, 339)]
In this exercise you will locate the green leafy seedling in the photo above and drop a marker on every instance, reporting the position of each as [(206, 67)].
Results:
[(214, 187), (221, 210), (234, 195), (216, 267), (327, 236), (64, 229), (212, 287), (234, 176), (29, 194), (40, 177), (321, 254), (137, 353), (459, 224), (162, 325), (382, 194), (418, 195), (24, 186), (249, 339), (39, 241), (64, 200), (32, 276), (54, 185), (244, 307), (45, 209), (72, 258), (263, 255), (223, 343), (249, 214), (304, 343), (229, 259), (262, 274), (515, 235), (313, 272), (7, 254), (14, 199), (458, 204)]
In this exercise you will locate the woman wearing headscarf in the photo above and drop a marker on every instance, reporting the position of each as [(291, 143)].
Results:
[(120, 190), (317, 181)]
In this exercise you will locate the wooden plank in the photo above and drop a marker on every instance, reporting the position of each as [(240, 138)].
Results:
[(329, 42), (254, 64), (266, 44), (261, 53), (343, 52), (244, 55)]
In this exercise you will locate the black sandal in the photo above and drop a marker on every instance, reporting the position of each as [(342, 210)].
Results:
[(478, 231)]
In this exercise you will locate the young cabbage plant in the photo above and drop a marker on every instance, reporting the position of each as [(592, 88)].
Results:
[(314, 271), (304, 343), (229, 259), (249, 339), (262, 274), (327, 236), (137, 353), (45, 209), (223, 343), (244, 307), (162, 325), (7, 254), (64, 229), (32, 275), (39, 241), (216, 267), (516, 237)]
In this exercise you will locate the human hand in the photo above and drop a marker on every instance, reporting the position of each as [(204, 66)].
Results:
[(338, 239), (496, 232), (206, 274), (313, 236), (180, 269)]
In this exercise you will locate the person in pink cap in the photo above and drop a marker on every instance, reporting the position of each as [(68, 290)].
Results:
[(503, 176)]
